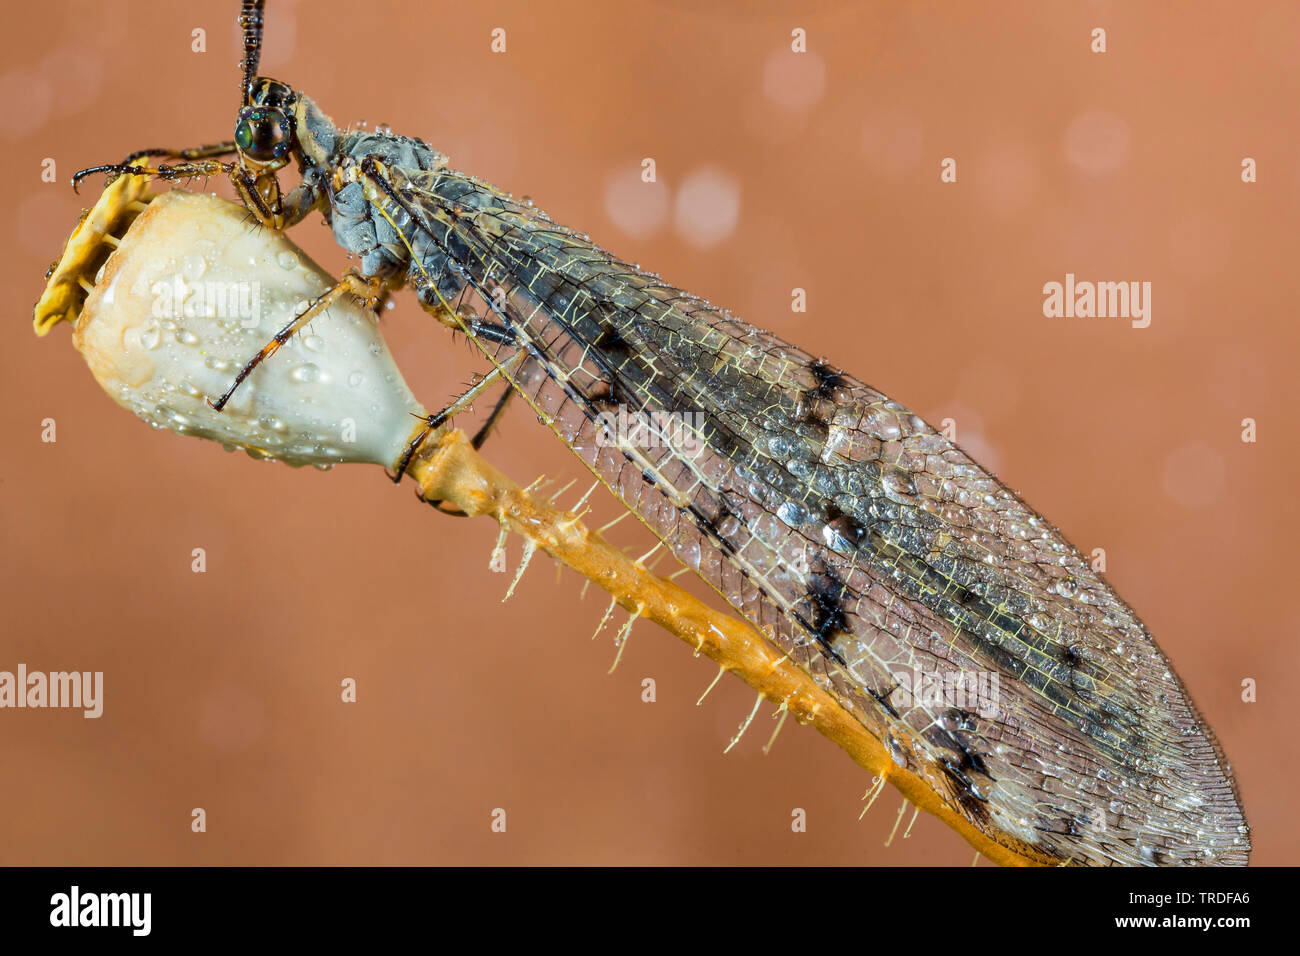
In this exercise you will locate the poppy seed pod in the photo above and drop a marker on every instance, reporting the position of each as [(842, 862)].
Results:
[(191, 292)]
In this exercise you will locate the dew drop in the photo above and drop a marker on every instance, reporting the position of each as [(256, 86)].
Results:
[(898, 484), (193, 266), (306, 374), (792, 513)]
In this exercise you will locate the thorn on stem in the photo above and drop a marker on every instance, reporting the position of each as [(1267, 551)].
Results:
[(745, 726), (783, 712), (717, 677), (529, 550)]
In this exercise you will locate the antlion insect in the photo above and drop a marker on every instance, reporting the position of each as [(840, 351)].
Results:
[(869, 548)]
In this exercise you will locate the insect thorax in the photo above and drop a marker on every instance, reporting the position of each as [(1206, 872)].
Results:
[(382, 238)]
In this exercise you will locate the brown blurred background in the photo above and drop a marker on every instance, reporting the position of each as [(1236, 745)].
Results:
[(776, 171)]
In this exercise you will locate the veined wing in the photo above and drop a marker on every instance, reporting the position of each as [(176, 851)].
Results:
[(891, 567)]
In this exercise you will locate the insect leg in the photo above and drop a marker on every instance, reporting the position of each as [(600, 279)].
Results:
[(364, 288), (187, 170), (259, 192), (127, 166), (210, 151), (267, 205), (491, 331), (438, 419), (474, 327), (494, 419)]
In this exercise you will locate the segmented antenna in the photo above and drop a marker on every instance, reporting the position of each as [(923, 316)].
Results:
[(250, 22)]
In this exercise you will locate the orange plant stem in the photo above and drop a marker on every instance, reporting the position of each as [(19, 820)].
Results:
[(451, 470)]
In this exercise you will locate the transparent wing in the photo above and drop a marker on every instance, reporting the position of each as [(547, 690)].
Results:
[(959, 626)]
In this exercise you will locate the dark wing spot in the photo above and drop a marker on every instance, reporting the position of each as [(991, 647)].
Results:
[(828, 379), (961, 719), (964, 793), (965, 757), (816, 406), (825, 601), (611, 344)]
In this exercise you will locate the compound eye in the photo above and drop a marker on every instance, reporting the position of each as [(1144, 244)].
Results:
[(262, 134)]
